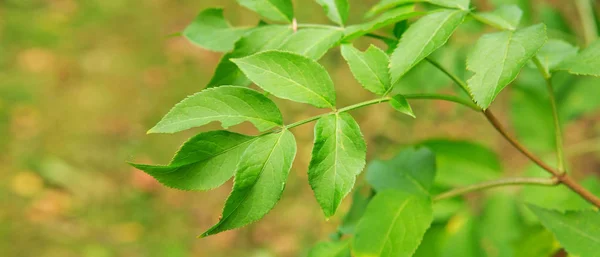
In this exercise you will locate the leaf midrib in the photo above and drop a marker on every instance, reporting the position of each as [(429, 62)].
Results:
[(389, 230)]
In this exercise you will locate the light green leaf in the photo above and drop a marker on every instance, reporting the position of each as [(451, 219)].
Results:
[(388, 4), (497, 59), (422, 38), (500, 225), (585, 63), (554, 52), (399, 14), (400, 103), (369, 68), (461, 163), (577, 231), (457, 237), (290, 76), (263, 38), (506, 17), (536, 242), (210, 30), (337, 10), (338, 156), (331, 249), (393, 225), (228, 104), (259, 181), (204, 162), (277, 10), (357, 209), (412, 170), (312, 43)]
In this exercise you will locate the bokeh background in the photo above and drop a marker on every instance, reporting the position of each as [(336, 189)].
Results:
[(82, 80)]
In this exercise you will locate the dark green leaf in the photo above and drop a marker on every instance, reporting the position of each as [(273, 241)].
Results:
[(204, 162), (577, 231), (338, 157), (421, 39), (400, 103), (277, 10), (337, 10), (259, 181), (393, 225), (497, 59), (263, 38), (369, 68), (227, 104), (210, 30), (290, 76), (585, 63), (412, 170), (312, 43)]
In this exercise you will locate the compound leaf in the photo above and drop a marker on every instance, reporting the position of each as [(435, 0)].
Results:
[(290, 76), (263, 38), (211, 31), (412, 170), (204, 162), (338, 156), (393, 225), (577, 231), (228, 104), (312, 43), (259, 181), (423, 38), (497, 59), (369, 68), (337, 10), (585, 63), (277, 10)]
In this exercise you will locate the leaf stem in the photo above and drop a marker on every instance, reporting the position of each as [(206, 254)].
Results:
[(560, 155), (449, 98), (453, 77), (497, 183), (586, 13), (318, 26)]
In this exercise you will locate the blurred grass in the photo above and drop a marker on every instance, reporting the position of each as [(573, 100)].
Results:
[(82, 81)]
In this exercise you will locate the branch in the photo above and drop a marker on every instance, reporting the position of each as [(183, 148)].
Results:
[(497, 183)]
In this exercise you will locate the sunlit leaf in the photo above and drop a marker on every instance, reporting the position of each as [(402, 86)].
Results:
[(337, 10), (400, 103), (259, 181), (577, 231), (554, 52), (277, 10), (290, 76), (421, 39), (399, 14), (210, 30), (227, 104), (393, 225), (369, 68), (204, 162), (584, 63), (338, 156), (331, 249), (384, 5), (412, 170), (312, 43), (506, 17), (357, 209)]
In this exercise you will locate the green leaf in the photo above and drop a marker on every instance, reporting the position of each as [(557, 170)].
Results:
[(259, 181), (461, 163), (554, 52), (369, 68), (312, 43), (277, 10), (227, 104), (399, 14), (412, 170), (400, 103), (393, 225), (421, 39), (331, 249), (497, 59), (585, 63), (290, 76), (357, 209), (204, 162), (338, 156), (337, 10), (457, 237), (263, 38), (210, 30), (577, 231), (500, 225), (384, 5), (506, 17)]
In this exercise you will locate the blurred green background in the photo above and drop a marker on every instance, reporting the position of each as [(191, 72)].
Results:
[(82, 80)]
